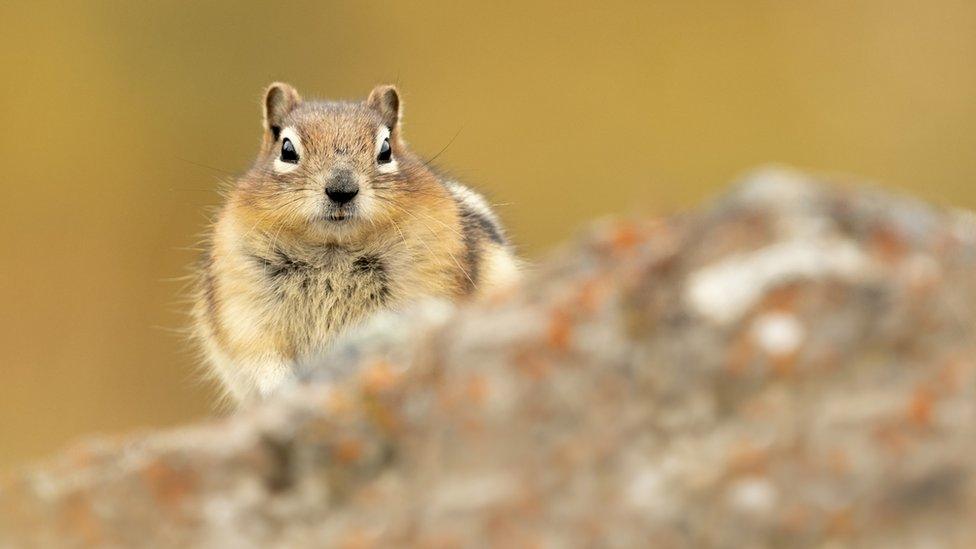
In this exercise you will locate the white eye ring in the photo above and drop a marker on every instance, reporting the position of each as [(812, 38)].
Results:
[(290, 134), (382, 135)]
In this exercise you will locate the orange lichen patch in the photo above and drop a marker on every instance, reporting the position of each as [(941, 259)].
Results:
[(508, 538), (505, 519), (533, 365), (625, 236), (795, 518), (840, 523), (590, 294), (472, 424), (755, 408), (784, 365), (348, 449), (593, 530), (462, 392), (383, 415), (747, 458), (920, 406), (740, 354), (780, 299), (476, 389), (825, 359), (169, 486), (462, 400), (379, 377), (440, 540), (448, 398), (892, 437), (357, 539), (338, 402), (950, 378), (560, 330), (838, 462), (923, 284), (569, 454), (77, 520), (888, 244)]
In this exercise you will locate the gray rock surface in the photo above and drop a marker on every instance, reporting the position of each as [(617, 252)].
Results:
[(790, 366)]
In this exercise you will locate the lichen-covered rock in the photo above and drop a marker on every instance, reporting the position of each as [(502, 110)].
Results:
[(792, 366)]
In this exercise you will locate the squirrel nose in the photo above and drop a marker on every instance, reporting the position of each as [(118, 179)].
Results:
[(340, 196), (342, 189)]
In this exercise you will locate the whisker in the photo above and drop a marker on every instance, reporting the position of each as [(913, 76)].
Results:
[(433, 233), (449, 143), (270, 212)]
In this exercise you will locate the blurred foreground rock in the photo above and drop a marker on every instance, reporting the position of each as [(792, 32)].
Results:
[(792, 365)]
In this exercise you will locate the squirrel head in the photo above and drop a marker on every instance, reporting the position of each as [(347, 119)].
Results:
[(331, 169)]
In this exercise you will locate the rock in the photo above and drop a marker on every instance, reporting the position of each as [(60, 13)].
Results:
[(790, 366)]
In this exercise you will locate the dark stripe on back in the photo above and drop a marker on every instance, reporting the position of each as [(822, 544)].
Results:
[(483, 223), (473, 236)]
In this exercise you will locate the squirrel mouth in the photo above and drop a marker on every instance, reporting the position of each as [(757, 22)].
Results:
[(339, 214)]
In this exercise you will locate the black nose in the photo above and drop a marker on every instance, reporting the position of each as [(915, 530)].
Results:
[(341, 196), (342, 188)]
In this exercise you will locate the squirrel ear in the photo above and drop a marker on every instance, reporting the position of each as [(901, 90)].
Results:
[(386, 100), (279, 100)]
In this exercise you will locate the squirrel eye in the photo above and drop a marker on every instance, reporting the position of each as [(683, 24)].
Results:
[(386, 154), (288, 152)]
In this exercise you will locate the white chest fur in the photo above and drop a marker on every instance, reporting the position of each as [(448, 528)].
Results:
[(304, 301)]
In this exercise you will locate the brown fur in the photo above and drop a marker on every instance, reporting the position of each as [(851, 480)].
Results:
[(284, 276)]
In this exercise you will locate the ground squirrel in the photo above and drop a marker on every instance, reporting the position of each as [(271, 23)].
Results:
[(335, 220)]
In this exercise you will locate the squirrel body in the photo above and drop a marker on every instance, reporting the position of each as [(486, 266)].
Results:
[(336, 220)]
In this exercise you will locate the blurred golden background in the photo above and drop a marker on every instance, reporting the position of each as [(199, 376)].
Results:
[(120, 119)]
